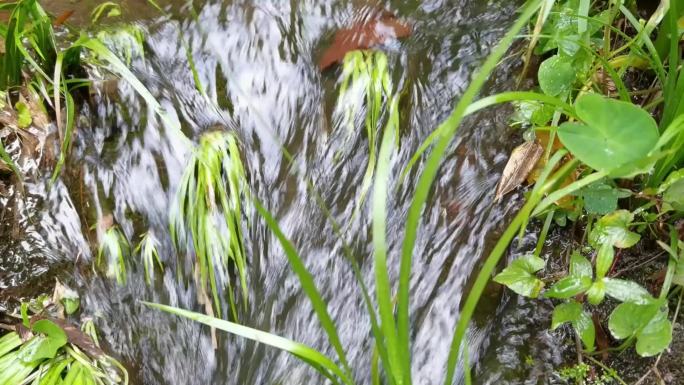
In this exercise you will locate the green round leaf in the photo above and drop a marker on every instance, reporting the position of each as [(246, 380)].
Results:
[(655, 337), (556, 75), (627, 319), (614, 133)]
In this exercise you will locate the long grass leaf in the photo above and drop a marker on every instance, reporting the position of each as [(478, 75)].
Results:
[(504, 97), (300, 350), (398, 356), (447, 131), (308, 284)]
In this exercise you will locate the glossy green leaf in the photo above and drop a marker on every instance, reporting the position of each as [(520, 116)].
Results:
[(627, 319), (655, 336), (556, 75), (613, 133), (565, 312), (627, 291), (580, 266), (581, 321), (584, 326), (613, 229), (604, 259), (46, 345), (601, 198), (520, 277), (569, 286), (596, 292)]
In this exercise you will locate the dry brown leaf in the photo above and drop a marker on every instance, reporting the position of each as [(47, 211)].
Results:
[(520, 164), (543, 140), (363, 35)]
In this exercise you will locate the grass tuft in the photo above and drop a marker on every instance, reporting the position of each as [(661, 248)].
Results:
[(207, 216)]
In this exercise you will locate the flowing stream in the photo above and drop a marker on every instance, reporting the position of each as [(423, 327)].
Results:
[(258, 62)]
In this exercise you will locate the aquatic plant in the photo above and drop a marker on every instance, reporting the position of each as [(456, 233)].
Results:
[(113, 253), (49, 355), (147, 248), (206, 219), (366, 73), (55, 70)]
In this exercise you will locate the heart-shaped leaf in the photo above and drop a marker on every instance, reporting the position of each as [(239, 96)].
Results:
[(43, 346), (627, 319), (612, 229), (614, 133), (520, 277), (556, 75), (655, 336)]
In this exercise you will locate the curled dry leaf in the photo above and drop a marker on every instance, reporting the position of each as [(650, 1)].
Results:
[(364, 35), (520, 164)]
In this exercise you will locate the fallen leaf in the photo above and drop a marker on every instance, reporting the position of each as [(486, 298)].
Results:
[(520, 164), (61, 19), (363, 35)]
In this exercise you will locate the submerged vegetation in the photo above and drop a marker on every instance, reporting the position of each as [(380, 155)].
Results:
[(207, 216), (605, 121)]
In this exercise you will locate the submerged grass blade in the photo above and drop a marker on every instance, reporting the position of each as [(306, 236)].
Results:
[(308, 285), (302, 351)]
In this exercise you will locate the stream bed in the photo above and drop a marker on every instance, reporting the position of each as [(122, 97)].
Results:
[(258, 63)]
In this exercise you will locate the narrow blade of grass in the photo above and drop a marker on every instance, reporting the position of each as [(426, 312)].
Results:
[(308, 285), (299, 350), (398, 355)]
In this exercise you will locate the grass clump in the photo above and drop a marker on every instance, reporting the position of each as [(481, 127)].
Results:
[(366, 74), (49, 352), (206, 219), (113, 253), (147, 248)]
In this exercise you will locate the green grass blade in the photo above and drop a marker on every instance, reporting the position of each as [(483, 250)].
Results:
[(504, 97), (299, 350), (308, 285), (398, 355), (122, 70), (492, 261), (447, 131), (66, 142)]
